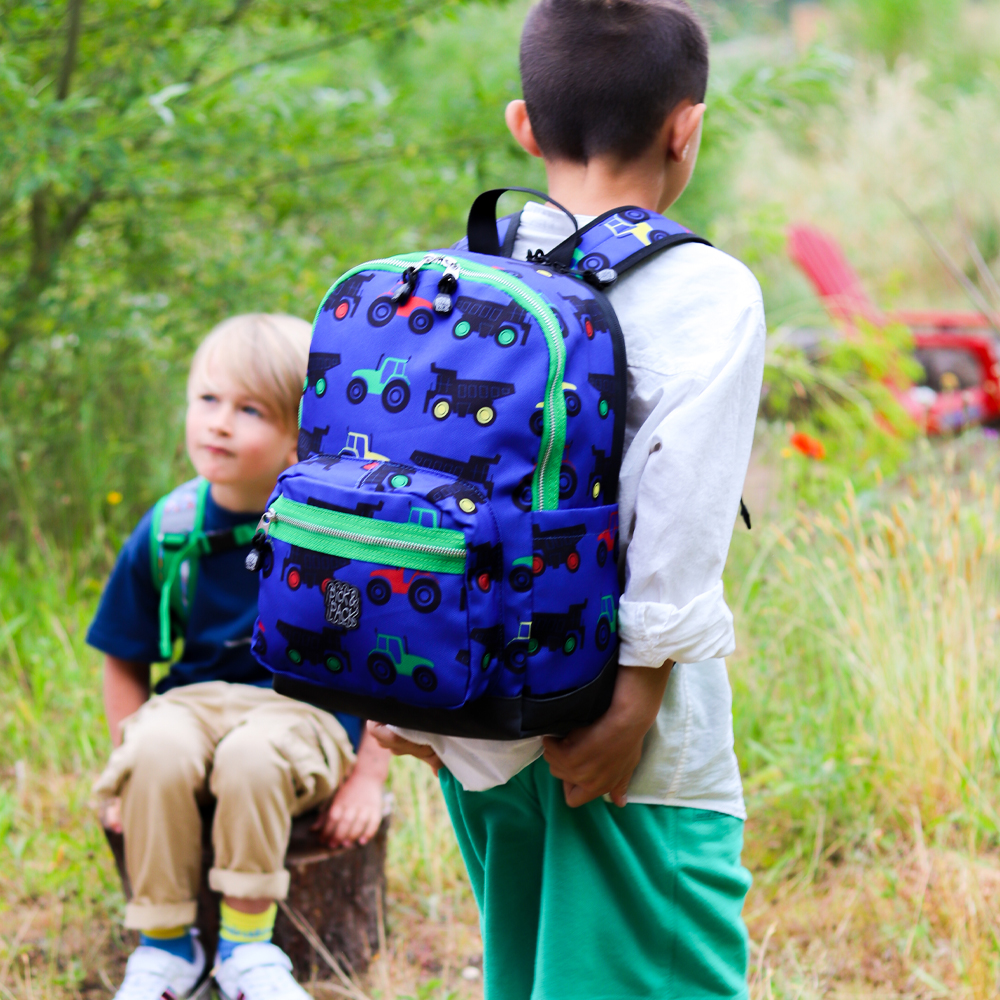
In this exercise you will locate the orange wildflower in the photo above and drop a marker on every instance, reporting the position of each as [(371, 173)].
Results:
[(809, 446)]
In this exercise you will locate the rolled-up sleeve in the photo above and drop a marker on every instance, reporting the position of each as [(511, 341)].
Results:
[(680, 491)]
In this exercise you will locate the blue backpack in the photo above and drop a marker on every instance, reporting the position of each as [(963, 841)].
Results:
[(444, 556)]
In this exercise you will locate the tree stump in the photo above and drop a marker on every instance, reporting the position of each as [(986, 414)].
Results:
[(340, 894)]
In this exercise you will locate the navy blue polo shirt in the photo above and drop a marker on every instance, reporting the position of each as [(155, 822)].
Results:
[(217, 643)]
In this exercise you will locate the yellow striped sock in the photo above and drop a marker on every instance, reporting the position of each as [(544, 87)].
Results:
[(163, 933), (247, 928)]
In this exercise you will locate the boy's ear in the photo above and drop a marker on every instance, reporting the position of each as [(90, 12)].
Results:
[(683, 130), (519, 124)]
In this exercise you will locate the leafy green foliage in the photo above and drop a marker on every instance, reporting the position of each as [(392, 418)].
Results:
[(842, 397), (207, 159), (892, 27)]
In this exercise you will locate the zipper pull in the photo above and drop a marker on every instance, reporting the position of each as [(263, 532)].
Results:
[(259, 546), (446, 288), (409, 282)]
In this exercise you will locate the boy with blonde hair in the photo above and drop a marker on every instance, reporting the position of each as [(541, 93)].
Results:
[(607, 864), (215, 728)]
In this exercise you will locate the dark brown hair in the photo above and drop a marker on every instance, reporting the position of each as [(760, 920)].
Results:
[(601, 76)]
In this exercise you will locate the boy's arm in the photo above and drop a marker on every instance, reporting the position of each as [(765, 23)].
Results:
[(600, 758), (126, 690), (355, 813), (682, 478)]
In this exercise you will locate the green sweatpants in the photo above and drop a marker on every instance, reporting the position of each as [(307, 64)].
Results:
[(601, 902)]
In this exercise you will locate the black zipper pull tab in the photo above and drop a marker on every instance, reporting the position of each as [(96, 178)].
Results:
[(409, 282), (446, 289), (259, 546)]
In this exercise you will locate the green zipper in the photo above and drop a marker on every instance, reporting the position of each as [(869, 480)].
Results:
[(545, 484), (436, 550)]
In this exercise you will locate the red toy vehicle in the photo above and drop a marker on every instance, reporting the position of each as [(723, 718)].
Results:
[(607, 540), (421, 588), (958, 350)]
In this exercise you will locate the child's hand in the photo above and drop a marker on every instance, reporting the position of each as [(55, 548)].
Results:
[(404, 748), (600, 758), (111, 815), (355, 813)]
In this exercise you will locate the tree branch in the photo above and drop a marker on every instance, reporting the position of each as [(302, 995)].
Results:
[(47, 245), (227, 22), (335, 41), (72, 38)]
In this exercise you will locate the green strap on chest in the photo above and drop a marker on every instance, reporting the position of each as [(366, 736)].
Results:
[(177, 542)]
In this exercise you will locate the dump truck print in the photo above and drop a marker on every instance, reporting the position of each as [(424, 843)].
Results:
[(589, 315), (359, 510), (311, 442), (603, 468), (314, 647), (573, 407), (567, 486), (313, 569), (319, 365), (345, 300), (391, 657), (605, 385), (492, 639), (421, 588), (397, 476), (607, 622), (451, 394), (387, 380), (326, 461), (554, 630), (418, 312), (476, 470), (491, 319), (556, 547)]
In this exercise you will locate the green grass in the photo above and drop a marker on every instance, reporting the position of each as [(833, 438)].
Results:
[(867, 688)]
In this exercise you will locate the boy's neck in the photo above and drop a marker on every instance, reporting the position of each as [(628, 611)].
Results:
[(602, 184), (238, 498)]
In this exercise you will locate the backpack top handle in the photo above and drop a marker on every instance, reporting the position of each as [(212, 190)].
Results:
[(482, 227)]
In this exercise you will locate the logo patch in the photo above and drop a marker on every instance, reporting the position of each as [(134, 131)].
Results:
[(343, 604)]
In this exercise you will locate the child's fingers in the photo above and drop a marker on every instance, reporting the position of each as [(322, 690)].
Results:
[(396, 744)]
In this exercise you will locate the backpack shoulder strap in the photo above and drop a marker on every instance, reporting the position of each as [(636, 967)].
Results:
[(622, 238), (175, 540), (179, 513)]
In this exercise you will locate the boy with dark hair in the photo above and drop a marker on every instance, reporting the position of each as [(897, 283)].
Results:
[(607, 863)]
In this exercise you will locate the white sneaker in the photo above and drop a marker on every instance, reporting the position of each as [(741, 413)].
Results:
[(260, 971), (152, 973)]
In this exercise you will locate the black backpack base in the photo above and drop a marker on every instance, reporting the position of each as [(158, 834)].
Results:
[(486, 718)]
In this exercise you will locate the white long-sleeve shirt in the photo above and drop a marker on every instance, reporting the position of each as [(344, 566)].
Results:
[(693, 322)]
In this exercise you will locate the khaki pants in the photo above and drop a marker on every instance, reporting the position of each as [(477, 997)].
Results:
[(263, 757)]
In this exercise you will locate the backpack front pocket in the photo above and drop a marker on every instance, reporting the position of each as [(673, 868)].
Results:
[(369, 588), (572, 633)]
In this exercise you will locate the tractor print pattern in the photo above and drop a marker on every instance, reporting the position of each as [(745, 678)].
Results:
[(426, 410), (391, 614)]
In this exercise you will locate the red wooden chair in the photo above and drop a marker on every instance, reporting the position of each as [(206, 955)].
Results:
[(958, 350)]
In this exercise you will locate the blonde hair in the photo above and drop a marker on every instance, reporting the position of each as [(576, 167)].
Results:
[(265, 353)]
